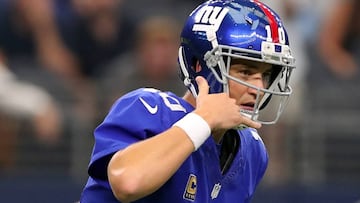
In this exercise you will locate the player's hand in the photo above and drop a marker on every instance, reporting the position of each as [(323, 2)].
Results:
[(219, 110)]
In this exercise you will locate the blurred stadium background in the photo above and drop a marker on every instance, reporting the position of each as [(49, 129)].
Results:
[(63, 62)]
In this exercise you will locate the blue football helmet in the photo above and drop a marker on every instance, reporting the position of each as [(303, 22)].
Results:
[(218, 31)]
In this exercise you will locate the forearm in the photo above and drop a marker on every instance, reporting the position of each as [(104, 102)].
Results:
[(142, 168)]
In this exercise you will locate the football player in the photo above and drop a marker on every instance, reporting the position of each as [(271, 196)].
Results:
[(155, 146)]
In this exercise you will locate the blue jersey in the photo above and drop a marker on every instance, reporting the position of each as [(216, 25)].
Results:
[(146, 112)]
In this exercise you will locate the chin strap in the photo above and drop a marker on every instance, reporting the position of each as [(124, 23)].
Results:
[(186, 76)]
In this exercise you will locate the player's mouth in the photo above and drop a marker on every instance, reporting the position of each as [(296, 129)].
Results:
[(247, 106), (247, 109)]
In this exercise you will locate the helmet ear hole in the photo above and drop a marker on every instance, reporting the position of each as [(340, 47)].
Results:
[(197, 67)]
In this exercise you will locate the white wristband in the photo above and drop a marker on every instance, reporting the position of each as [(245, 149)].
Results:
[(195, 127)]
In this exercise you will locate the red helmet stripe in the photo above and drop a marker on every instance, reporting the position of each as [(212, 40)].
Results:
[(272, 21)]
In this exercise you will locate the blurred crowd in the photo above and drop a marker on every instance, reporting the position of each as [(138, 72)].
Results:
[(63, 63)]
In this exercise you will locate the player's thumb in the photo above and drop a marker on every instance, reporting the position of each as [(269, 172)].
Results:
[(202, 85)]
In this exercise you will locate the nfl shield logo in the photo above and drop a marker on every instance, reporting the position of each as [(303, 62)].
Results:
[(215, 191)]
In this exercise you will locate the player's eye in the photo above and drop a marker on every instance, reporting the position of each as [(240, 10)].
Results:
[(244, 72)]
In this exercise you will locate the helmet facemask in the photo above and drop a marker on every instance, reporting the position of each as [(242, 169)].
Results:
[(271, 100)]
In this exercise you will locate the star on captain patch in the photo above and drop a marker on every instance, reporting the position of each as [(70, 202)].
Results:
[(215, 191)]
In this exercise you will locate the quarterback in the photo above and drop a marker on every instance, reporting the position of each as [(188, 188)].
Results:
[(155, 146)]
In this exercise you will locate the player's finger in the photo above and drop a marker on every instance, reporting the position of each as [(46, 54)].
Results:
[(203, 85), (251, 123)]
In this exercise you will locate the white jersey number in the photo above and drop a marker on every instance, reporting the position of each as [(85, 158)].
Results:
[(171, 102)]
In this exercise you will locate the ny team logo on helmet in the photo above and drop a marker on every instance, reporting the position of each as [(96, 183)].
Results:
[(219, 31)]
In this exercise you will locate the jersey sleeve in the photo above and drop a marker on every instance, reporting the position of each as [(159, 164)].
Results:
[(134, 117)]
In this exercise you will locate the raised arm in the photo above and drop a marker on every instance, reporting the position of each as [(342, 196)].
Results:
[(144, 167)]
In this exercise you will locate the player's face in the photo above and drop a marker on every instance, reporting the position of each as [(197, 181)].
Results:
[(254, 73)]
